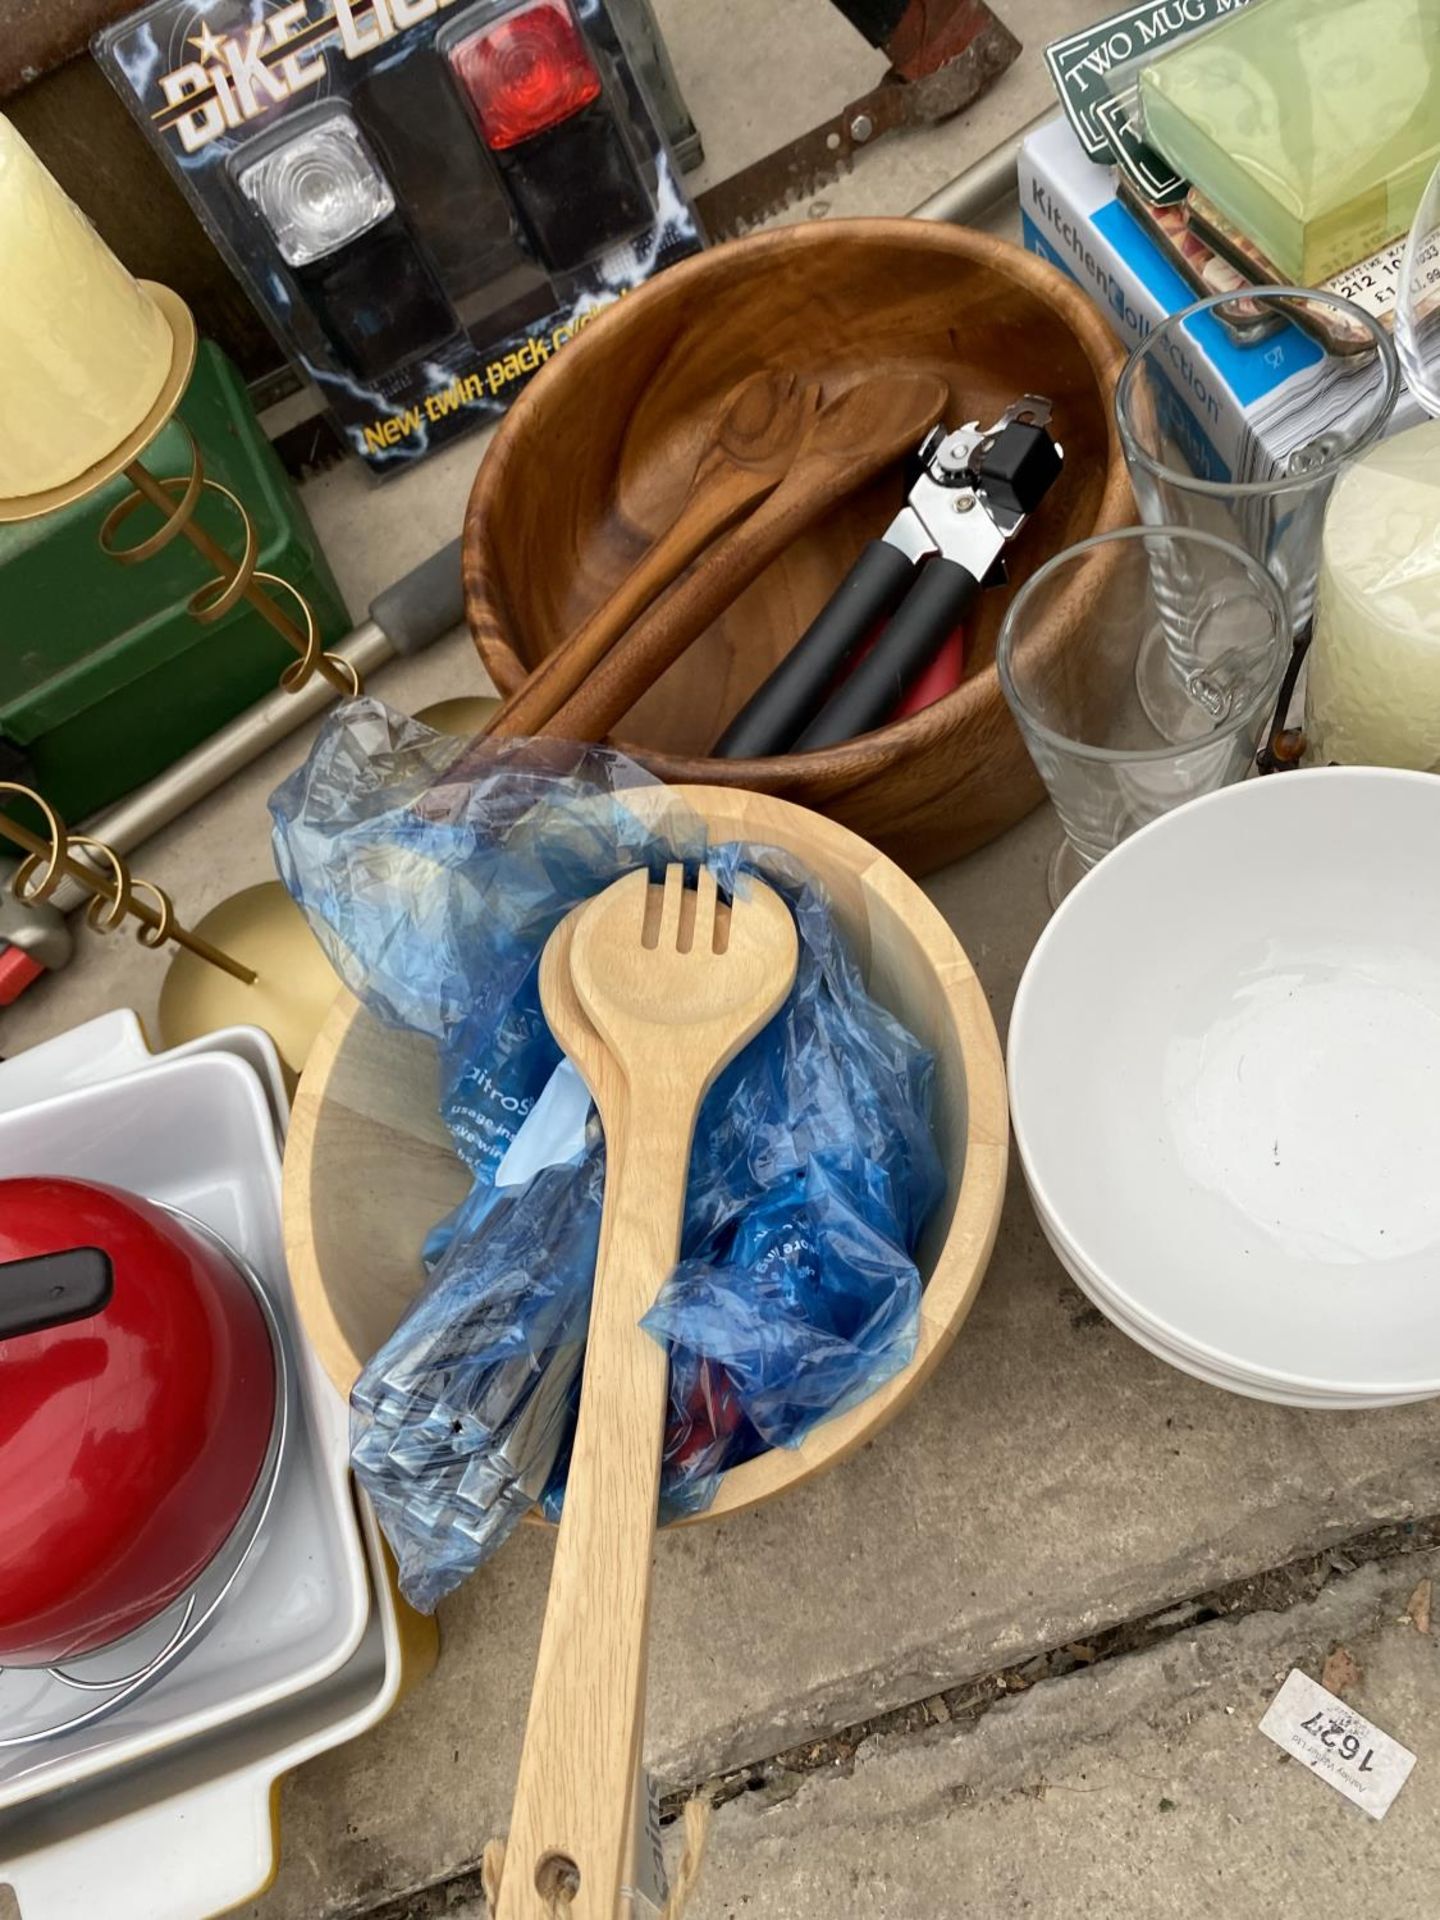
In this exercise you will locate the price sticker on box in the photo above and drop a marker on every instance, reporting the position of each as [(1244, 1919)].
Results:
[(1338, 1744)]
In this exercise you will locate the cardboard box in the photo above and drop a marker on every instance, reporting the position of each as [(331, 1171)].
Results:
[(1258, 403)]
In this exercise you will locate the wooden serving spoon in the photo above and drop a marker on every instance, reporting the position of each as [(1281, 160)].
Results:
[(752, 442), (852, 438), (666, 987), (589, 1054)]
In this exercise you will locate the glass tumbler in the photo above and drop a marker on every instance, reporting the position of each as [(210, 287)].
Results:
[(1417, 302), (1317, 379), (1067, 657)]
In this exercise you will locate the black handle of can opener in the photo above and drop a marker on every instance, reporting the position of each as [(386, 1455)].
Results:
[(425, 604), (777, 711), (934, 607)]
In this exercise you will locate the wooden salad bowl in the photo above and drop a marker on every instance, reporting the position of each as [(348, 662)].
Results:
[(591, 464), (370, 1168)]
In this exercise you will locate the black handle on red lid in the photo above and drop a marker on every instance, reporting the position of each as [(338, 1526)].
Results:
[(51, 1289)]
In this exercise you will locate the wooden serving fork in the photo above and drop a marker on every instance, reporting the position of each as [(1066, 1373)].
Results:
[(664, 986)]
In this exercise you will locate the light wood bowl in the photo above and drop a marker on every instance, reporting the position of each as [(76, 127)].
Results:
[(592, 462), (369, 1167)]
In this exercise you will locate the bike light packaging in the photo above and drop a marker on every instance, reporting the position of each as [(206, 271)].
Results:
[(425, 199)]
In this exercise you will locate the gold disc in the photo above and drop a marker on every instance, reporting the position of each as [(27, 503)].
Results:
[(264, 929), (463, 717)]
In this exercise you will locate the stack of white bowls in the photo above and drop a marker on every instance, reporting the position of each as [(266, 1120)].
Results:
[(1224, 1070)]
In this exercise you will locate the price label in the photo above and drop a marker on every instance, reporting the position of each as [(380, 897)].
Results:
[(1338, 1744), (645, 1899), (1374, 284)]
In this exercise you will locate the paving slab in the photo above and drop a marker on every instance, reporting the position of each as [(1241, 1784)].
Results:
[(1136, 1790), (1054, 1479), (756, 74)]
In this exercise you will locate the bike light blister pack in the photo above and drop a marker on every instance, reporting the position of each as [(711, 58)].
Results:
[(426, 199)]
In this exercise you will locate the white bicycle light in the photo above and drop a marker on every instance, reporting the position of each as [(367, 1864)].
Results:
[(319, 191)]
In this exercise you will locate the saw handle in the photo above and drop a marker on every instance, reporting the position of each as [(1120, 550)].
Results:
[(424, 604), (937, 603), (778, 711)]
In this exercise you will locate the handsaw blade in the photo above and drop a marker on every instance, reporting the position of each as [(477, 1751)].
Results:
[(796, 171)]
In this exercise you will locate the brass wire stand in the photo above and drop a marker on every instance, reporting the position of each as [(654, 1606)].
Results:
[(176, 501), (115, 894)]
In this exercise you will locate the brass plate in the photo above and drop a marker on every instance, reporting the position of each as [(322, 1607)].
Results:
[(263, 928), (462, 717)]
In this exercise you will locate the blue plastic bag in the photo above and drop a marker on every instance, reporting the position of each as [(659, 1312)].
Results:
[(432, 873)]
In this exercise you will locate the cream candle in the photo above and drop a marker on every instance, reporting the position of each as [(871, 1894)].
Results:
[(83, 349), (1373, 695)]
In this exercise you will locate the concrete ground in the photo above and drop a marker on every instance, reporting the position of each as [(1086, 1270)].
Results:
[(1053, 1488), (1133, 1789)]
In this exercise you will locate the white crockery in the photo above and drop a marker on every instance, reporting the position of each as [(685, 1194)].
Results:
[(113, 1044), (1224, 1070), (208, 1805), (206, 1808), (104, 1048), (1252, 1386), (197, 1132)]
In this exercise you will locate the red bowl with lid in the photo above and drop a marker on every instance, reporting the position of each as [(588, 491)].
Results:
[(137, 1402)]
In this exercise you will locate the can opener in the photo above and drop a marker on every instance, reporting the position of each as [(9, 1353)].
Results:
[(976, 489)]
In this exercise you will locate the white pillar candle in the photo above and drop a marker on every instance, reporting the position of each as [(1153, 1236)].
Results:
[(1373, 696), (83, 349)]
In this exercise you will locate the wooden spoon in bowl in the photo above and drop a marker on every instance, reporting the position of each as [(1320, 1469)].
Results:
[(752, 442)]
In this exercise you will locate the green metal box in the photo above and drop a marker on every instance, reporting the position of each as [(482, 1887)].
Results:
[(105, 678)]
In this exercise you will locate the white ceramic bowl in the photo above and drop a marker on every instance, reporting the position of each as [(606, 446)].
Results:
[(1252, 1386), (1224, 1071)]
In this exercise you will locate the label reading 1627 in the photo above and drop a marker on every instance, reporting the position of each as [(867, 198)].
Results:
[(1331, 1734), (1338, 1744)]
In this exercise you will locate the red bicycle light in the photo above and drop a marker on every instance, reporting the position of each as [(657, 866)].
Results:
[(526, 72)]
